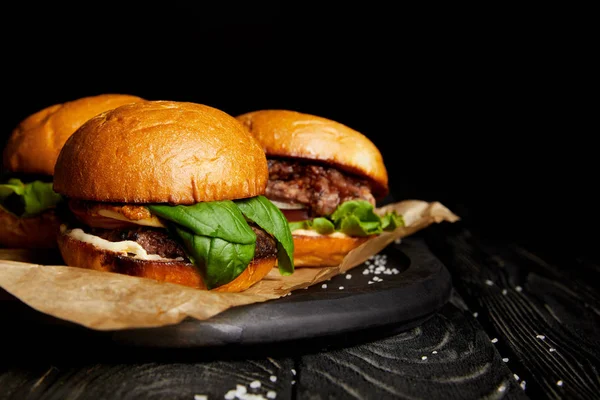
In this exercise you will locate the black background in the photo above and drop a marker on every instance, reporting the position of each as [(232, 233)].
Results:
[(483, 110)]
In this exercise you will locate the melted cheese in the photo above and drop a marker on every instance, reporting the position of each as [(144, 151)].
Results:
[(307, 232), (125, 247), (152, 221)]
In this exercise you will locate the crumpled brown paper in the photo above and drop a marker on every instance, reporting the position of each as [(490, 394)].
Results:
[(109, 301)]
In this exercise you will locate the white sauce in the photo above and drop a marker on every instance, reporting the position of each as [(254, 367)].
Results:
[(307, 232), (125, 247)]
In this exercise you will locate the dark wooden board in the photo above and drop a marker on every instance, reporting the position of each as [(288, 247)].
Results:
[(407, 285)]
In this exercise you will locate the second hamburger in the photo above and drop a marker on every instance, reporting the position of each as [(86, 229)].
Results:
[(171, 191), (326, 179)]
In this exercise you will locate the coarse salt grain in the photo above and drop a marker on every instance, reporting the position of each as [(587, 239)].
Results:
[(424, 358), (475, 314), (505, 359), (370, 282), (255, 384), (523, 384), (502, 388), (518, 288), (494, 340), (293, 371), (348, 276), (341, 287), (542, 337), (489, 283), (271, 394), (516, 376), (200, 397), (504, 291), (559, 383), (551, 349), (324, 286), (434, 352), (273, 378)]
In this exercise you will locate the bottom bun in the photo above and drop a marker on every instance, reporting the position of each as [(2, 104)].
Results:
[(38, 232), (80, 254), (323, 250)]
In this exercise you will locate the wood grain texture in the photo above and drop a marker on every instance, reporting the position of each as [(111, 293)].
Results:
[(449, 356), (518, 326), (544, 313)]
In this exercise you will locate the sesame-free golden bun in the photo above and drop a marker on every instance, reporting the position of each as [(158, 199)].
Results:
[(323, 250), (80, 254), (161, 152), (291, 134), (35, 142), (35, 232)]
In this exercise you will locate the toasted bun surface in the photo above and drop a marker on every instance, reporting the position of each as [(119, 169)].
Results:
[(35, 143), (161, 151), (285, 133), (76, 253), (323, 250), (33, 232)]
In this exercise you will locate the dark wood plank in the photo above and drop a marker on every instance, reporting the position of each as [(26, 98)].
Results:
[(449, 356), (264, 378), (544, 314)]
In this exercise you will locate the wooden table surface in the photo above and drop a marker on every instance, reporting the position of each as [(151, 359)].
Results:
[(519, 325)]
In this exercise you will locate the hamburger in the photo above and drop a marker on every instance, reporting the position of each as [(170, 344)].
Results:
[(27, 201), (170, 191), (326, 178)]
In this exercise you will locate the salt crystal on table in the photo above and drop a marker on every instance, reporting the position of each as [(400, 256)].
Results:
[(200, 397), (273, 378), (255, 384), (348, 276), (494, 340), (559, 383), (271, 394), (541, 337), (489, 283), (324, 286), (505, 359), (424, 358)]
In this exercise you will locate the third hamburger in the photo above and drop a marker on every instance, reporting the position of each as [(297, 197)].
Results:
[(326, 179), (27, 202)]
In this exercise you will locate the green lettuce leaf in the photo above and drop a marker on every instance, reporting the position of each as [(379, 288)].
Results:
[(266, 215), (354, 218), (28, 199)]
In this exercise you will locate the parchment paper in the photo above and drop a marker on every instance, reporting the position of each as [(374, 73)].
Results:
[(110, 301)]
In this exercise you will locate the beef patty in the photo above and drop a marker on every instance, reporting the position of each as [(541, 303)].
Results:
[(320, 188), (158, 241)]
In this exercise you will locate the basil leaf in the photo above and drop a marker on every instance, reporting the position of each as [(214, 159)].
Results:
[(220, 219), (215, 236), (270, 218), (28, 199), (218, 260)]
